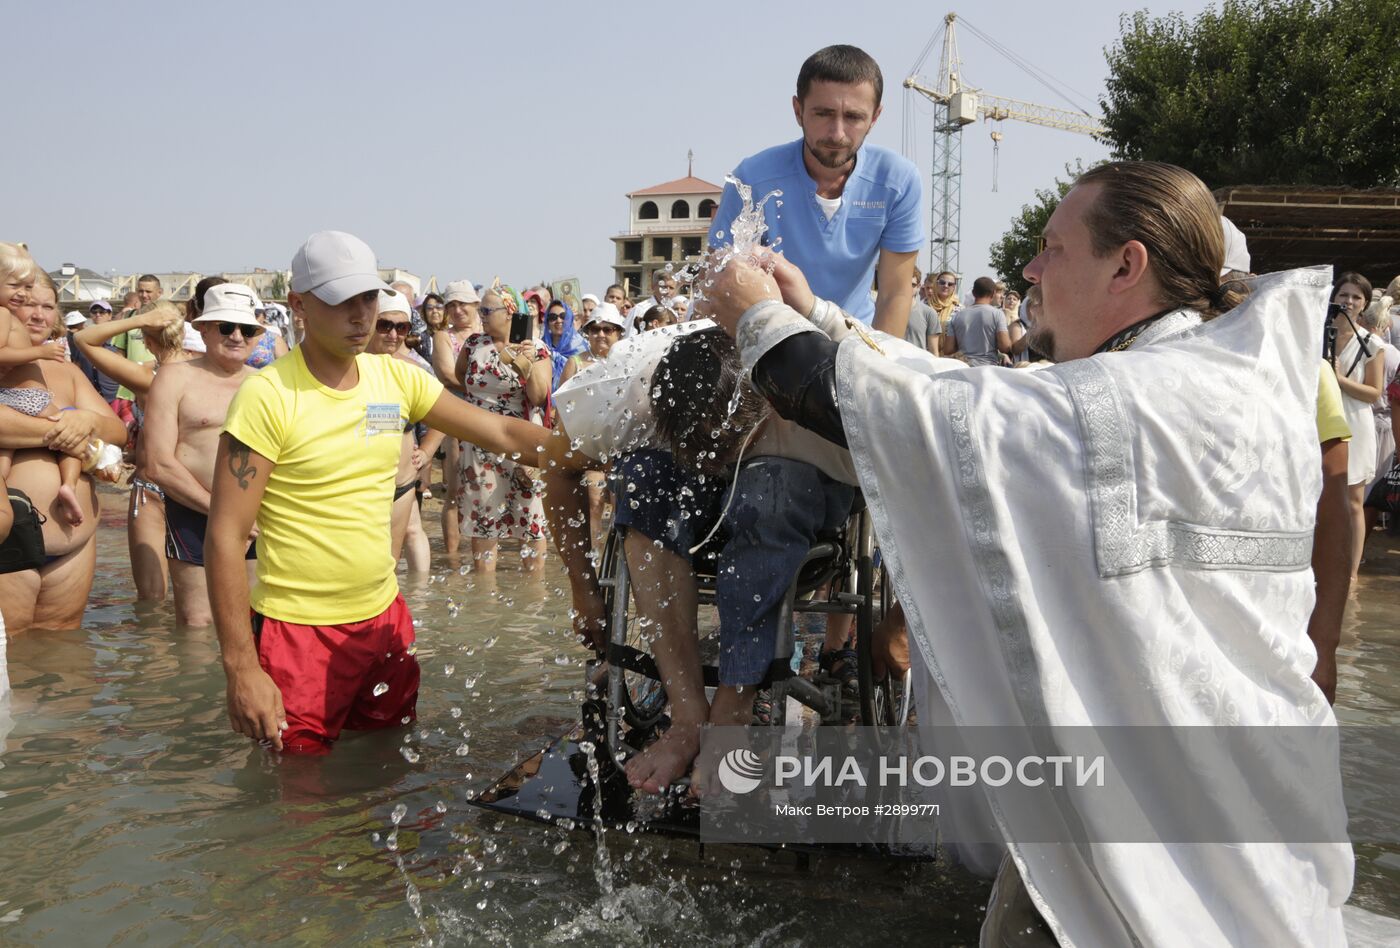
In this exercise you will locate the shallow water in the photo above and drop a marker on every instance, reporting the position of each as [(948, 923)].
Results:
[(131, 814)]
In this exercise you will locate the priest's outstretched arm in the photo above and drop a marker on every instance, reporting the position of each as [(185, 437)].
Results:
[(788, 348)]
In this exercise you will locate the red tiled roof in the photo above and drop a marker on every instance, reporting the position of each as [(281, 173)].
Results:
[(686, 185)]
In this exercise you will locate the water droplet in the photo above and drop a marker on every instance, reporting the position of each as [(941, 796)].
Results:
[(448, 669), (399, 812), (409, 754), (380, 688)]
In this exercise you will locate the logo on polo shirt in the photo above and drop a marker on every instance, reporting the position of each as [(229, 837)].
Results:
[(877, 205)]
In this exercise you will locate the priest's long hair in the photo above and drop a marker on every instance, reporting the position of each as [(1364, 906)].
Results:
[(1172, 213), (703, 406)]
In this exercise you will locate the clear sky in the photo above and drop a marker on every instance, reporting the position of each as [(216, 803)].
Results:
[(465, 140)]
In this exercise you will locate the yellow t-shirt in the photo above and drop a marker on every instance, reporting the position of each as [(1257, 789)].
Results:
[(1331, 422), (324, 555), (132, 343)]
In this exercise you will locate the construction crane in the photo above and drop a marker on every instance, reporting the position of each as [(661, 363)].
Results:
[(962, 105)]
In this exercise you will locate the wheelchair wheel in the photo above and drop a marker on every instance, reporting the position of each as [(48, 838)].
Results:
[(879, 702), (643, 699)]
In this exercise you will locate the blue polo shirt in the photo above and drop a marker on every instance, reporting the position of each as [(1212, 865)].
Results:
[(880, 210)]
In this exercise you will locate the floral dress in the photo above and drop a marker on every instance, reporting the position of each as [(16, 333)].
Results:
[(490, 504)]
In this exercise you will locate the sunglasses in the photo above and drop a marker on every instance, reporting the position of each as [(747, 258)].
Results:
[(488, 310), (554, 316), (606, 327), (249, 332), (386, 326), (947, 283)]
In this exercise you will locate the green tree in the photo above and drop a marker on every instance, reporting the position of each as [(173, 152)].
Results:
[(1298, 92), (1010, 254)]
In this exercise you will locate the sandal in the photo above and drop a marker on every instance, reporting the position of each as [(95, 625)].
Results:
[(841, 664)]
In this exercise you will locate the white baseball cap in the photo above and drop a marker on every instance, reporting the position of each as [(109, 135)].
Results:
[(335, 266), (230, 303), (75, 318), (606, 313), (460, 291), (393, 302)]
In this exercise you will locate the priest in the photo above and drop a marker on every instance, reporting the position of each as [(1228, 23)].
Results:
[(1129, 543)]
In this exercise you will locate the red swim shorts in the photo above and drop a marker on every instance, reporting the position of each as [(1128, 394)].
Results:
[(329, 675)]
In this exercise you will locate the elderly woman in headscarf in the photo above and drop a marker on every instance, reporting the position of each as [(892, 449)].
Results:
[(561, 338)]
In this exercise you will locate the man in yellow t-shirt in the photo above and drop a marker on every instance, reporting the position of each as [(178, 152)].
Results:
[(309, 451)]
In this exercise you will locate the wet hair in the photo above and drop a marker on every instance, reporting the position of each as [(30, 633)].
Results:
[(1356, 280), (984, 287), (695, 385), (16, 261), (1171, 213), (195, 304), (848, 65)]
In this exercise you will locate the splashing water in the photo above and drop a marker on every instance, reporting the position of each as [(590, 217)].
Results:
[(745, 232), (749, 226)]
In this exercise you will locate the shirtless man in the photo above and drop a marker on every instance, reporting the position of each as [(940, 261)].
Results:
[(185, 411)]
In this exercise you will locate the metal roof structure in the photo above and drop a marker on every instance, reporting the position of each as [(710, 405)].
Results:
[(1289, 227)]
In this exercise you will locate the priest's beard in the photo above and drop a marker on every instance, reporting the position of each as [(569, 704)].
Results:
[(1042, 340)]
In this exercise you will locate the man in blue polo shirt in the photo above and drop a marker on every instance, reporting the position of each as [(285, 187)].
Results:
[(850, 211)]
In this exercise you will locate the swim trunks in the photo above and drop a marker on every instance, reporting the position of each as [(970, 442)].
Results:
[(184, 534), (357, 675), (401, 489)]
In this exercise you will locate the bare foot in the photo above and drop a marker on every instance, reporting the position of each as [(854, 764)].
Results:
[(68, 504), (890, 647), (666, 761)]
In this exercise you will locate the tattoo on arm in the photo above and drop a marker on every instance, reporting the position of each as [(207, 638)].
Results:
[(238, 463)]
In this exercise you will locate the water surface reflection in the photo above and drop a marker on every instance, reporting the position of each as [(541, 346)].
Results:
[(131, 812)]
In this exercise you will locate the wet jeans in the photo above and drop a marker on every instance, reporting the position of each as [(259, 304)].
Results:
[(780, 508)]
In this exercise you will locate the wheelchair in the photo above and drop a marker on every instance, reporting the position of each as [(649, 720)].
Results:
[(840, 575)]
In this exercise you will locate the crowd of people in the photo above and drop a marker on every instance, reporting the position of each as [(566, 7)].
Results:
[(277, 457)]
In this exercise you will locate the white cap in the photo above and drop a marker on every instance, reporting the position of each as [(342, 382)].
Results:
[(393, 302), (75, 318), (335, 266), (589, 296), (230, 303), (606, 313), (1236, 249), (460, 291)]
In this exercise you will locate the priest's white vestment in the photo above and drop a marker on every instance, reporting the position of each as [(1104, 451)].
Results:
[(1118, 540)]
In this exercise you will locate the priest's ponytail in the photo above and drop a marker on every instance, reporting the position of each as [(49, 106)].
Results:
[(1170, 212)]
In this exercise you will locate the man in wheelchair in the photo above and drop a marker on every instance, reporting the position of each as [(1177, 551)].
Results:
[(671, 412)]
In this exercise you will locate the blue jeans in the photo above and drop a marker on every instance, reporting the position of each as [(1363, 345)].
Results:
[(780, 507)]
